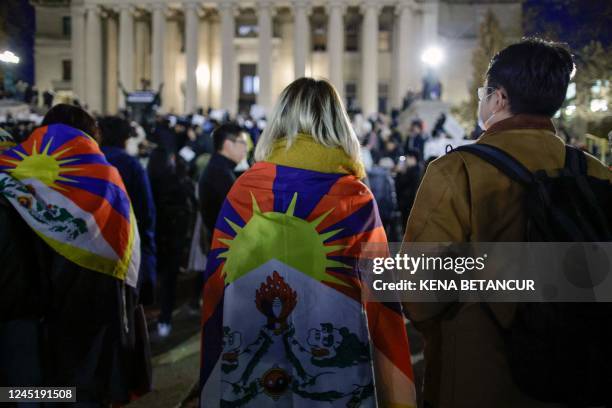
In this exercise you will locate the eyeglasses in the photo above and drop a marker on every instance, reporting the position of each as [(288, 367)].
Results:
[(482, 92), (241, 141)]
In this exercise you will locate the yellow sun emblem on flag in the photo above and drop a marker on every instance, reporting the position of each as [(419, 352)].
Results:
[(284, 237), (42, 166)]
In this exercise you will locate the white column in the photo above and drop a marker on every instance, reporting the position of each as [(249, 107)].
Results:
[(141, 36), (335, 43), (301, 37), (157, 46), (78, 51), (404, 75), (430, 23), (191, 55), (93, 66), (228, 101), (264, 67), (203, 70), (369, 58), (126, 49), (112, 64)]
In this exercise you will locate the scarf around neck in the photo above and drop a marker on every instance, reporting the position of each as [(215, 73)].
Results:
[(306, 153)]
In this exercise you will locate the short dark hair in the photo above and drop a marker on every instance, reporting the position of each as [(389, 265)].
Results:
[(535, 74), (225, 131), (418, 123), (73, 116), (114, 131)]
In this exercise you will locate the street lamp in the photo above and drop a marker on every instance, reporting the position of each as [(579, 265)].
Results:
[(432, 56), (9, 57)]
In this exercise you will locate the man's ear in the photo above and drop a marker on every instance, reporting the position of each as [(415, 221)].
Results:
[(503, 100), (225, 144)]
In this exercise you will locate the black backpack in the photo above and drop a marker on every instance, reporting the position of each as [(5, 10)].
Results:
[(560, 352)]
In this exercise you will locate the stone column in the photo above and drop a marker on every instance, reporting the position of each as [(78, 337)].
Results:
[(191, 55), (126, 49), (369, 58), (335, 43), (264, 67), (112, 41), (301, 37), (405, 56), (157, 48), (142, 41), (93, 66), (228, 100), (430, 23), (204, 61), (78, 51)]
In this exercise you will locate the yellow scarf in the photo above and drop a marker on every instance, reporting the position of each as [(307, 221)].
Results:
[(307, 154)]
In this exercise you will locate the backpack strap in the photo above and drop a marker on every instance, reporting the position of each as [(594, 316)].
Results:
[(576, 164), (501, 160), (575, 160)]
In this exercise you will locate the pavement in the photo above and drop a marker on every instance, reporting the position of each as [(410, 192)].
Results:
[(176, 358)]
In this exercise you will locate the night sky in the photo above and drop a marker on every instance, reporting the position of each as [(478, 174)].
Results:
[(20, 29)]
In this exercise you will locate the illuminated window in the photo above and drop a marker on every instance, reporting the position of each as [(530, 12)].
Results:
[(250, 85)]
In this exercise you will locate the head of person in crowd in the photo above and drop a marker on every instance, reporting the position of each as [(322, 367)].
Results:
[(413, 157), (72, 116), (528, 77), (114, 131), (416, 127), (310, 107), (230, 140)]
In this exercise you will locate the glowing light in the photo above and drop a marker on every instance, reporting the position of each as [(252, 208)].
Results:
[(432, 56), (571, 91), (9, 57), (599, 105), (203, 74)]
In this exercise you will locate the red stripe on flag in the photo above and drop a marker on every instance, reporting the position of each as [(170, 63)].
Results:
[(259, 182), (388, 333), (114, 227), (345, 186), (212, 294)]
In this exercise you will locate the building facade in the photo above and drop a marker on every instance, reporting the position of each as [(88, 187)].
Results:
[(232, 54)]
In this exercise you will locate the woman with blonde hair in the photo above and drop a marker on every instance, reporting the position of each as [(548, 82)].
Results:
[(285, 322)]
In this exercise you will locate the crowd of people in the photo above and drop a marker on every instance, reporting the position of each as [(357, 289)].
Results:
[(270, 213)]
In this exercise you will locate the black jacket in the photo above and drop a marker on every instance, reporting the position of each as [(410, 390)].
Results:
[(215, 182), (21, 281), (86, 318)]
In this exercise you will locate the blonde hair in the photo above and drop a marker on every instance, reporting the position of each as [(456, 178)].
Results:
[(313, 107)]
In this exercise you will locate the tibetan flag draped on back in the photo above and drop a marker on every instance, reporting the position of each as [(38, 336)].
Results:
[(284, 321), (60, 183)]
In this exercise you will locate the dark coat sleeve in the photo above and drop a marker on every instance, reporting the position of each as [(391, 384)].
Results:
[(145, 212), (214, 186)]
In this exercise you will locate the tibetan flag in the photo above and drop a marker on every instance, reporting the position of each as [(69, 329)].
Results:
[(284, 320), (60, 183)]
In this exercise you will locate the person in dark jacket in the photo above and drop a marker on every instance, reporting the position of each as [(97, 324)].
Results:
[(416, 138), (173, 193), (163, 135), (63, 324), (21, 307), (407, 182), (114, 132), (230, 143)]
